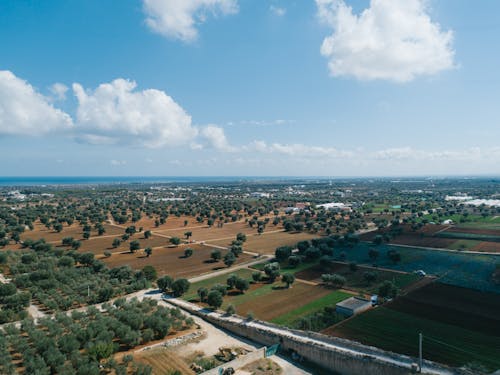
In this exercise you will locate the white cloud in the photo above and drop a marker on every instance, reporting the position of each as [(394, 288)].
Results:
[(177, 19), (409, 153), (300, 150), (59, 90), (117, 113), (24, 111), (278, 11), (216, 137), (392, 39)]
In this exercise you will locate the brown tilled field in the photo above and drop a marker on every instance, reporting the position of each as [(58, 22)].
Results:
[(490, 247), (277, 303), (163, 361), (170, 260), (489, 232), (75, 231), (98, 245), (467, 308), (268, 242), (205, 233)]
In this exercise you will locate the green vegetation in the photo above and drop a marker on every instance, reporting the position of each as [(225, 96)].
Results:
[(455, 345), (82, 342), (291, 318)]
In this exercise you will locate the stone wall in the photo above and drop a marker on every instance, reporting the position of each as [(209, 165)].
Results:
[(348, 357)]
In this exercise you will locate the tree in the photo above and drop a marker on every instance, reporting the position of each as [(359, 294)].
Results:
[(388, 289), (202, 294), (116, 242), (134, 246), (149, 273), (353, 266), (107, 253), (164, 283), (377, 240), (216, 255), (272, 270), (337, 281), (231, 281), (175, 241), (242, 284), (188, 252), (148, 251), (188, 234), (242, 237), (86, 259), (75, 245), (86, 235), (373, 254), (282, 253), (180, 286), (394, 255), (230, 310), (256, 276), (288, 279), (214, 299), (294, 260), (147, 234), (370, 276), (229, 259)]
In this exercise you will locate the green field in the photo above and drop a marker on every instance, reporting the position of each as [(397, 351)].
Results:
[(208, 283), (330, 300), (398, 332), (463, 244)]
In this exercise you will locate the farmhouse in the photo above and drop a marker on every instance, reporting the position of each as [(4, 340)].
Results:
[(352, 306)]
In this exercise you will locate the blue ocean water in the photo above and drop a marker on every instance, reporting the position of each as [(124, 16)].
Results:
[(100, 180)]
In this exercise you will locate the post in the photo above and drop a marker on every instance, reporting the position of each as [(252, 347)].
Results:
[(420, 352)]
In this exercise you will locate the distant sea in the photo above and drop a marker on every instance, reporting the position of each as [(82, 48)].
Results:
[(101, 180)]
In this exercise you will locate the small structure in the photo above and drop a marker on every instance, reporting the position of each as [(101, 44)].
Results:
[(353, 306)]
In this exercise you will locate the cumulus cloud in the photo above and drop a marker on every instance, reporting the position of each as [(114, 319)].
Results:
[(216, 138), (392, 39), (118, 113), (24, 111), (178, 19)]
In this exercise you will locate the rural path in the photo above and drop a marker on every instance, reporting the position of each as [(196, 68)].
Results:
[(447, 250), (224, 271), (32, 309), (399, 360)]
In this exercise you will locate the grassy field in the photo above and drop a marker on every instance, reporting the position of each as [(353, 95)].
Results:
[(355, 279), (329, 300), (466, 270), (397, 331)]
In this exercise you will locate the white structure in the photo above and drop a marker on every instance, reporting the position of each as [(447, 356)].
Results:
[(334, 206), (353, 306)]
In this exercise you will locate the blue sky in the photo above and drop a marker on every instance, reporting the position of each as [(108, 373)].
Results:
[(242, 87)]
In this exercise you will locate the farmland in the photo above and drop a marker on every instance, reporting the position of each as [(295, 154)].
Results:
[(459, 325), (172, 261), (268, 242), (74, 249), (272, 301), (355, 279)]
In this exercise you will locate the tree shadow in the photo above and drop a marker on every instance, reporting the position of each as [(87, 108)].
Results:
[(280, 287)]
